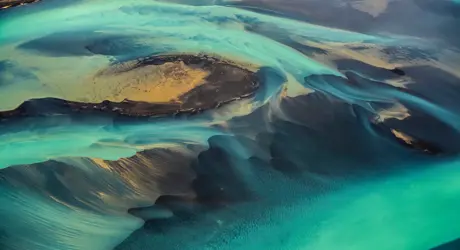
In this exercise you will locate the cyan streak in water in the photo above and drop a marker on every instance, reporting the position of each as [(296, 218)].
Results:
[(60, 136), (364, 91), (356, 217)]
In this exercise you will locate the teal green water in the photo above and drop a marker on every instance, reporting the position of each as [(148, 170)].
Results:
[(411, 211), (395, 213), (413, 208), (156, 27)]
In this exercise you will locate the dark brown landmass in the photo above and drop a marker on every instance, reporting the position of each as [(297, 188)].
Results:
[(224, 82), (4, 4)]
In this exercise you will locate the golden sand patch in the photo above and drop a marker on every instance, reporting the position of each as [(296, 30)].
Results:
[(151, 83), (293, 88), (397, 111), (407, 139)]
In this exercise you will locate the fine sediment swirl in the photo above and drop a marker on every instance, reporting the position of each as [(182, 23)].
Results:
[(239, 125)]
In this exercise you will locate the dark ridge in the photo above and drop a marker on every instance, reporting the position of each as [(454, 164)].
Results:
[(187, 59), (202, 61), (411, 141), (434, 137), (5, 4), (54, 106), (424, 146), (157, 172), (427, 133), (452, 245), (218, 185), (152, 212), (398, 71)]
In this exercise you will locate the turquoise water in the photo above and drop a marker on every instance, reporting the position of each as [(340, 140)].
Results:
[(350, 143)]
